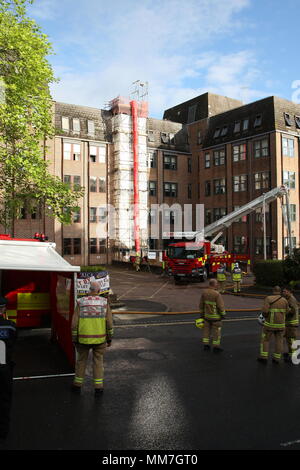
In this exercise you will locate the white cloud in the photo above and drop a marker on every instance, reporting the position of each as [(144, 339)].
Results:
[(104, 46)]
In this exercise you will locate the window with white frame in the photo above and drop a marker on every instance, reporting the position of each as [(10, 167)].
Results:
[(239, 152), (292, 211), (287, 147), (219, 157), (262, 180), (207, 160), (152, 188), (289, 179), (261, 148), (219, 212), (91, 128), (220, 186), (170, 189), (240, 183), (65, 124), (76, 125)]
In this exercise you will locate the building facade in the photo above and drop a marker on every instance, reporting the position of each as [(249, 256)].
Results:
[(210, 150)]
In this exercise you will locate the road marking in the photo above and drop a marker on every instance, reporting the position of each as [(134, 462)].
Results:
[(157, 291), (125, 293), (286, 444)]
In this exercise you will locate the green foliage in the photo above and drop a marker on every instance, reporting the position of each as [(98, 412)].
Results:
[(292, 266), (92, 269), (26, 120), (269, 272)]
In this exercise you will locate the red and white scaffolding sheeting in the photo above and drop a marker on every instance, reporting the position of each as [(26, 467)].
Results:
[(130, 196)]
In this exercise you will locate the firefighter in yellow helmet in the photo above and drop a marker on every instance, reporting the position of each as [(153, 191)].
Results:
[(221, 277), (274, 310), (236, 278), (212, 310), (92, 328)]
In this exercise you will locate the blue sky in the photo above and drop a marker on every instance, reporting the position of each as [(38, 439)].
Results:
[(245, 49)]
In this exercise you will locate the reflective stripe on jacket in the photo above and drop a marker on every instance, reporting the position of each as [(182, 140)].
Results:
[(236, 274), (275, 310), (211, 305), (221, 276), (292, 317)]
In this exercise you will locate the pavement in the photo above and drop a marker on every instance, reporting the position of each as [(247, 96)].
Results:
[(162, 391)]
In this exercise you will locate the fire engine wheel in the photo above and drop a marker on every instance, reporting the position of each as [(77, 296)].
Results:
[(204, 276)]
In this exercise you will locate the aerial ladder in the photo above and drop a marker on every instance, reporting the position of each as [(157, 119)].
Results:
[(261, 201)]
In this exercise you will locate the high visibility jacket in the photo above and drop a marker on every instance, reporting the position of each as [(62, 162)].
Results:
[(221, 276), (275, 309), (292, 317), (236, 274), (211, 305), (92, 321)]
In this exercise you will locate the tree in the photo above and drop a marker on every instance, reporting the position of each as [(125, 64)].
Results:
[(26, 121)]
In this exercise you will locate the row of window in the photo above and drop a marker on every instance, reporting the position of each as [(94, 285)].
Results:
[(97, 184), (168, 138), (72, 246), (239, 153), (239, 183), (241, 125), (76, 125), (170, 189), (169, 161), (211, 215), (72, 151)]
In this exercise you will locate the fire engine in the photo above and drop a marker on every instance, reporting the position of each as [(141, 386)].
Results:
[(200, 258)]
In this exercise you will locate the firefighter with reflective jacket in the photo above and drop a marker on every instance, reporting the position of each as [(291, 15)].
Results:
[(291, 323), (236, 278), (274, 310), (221, 277), (92, 328), (8, 335), (212, 310)]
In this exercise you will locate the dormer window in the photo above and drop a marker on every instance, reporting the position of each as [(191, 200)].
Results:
[(287, 119), (237, 127), (258, 120), (297, 121), (217, 133), (245, 124), (224, 131)]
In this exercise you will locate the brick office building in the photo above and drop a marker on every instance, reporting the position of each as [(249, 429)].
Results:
[(242, 154), (211, 150)]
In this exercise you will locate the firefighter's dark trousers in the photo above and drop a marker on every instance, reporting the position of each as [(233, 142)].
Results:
[(290, 336), (266, 336), (81, 363), (212, 330), (6, 384)]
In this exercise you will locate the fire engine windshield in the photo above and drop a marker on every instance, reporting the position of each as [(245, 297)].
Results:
[(181, 252)]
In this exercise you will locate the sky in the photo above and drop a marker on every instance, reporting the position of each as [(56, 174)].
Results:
[(244, 49)]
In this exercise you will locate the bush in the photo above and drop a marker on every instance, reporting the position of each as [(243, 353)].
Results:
[(91, 269), (292, 267), (269, 272)]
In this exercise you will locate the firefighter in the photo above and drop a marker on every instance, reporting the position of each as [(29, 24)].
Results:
[(212, 310), (8, 335), (92, 328), (137, 262), (274, 310), (291, 323), (236, 278), (221, 277)]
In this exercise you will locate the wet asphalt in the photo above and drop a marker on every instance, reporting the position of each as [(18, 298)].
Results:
[(162, 392)]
